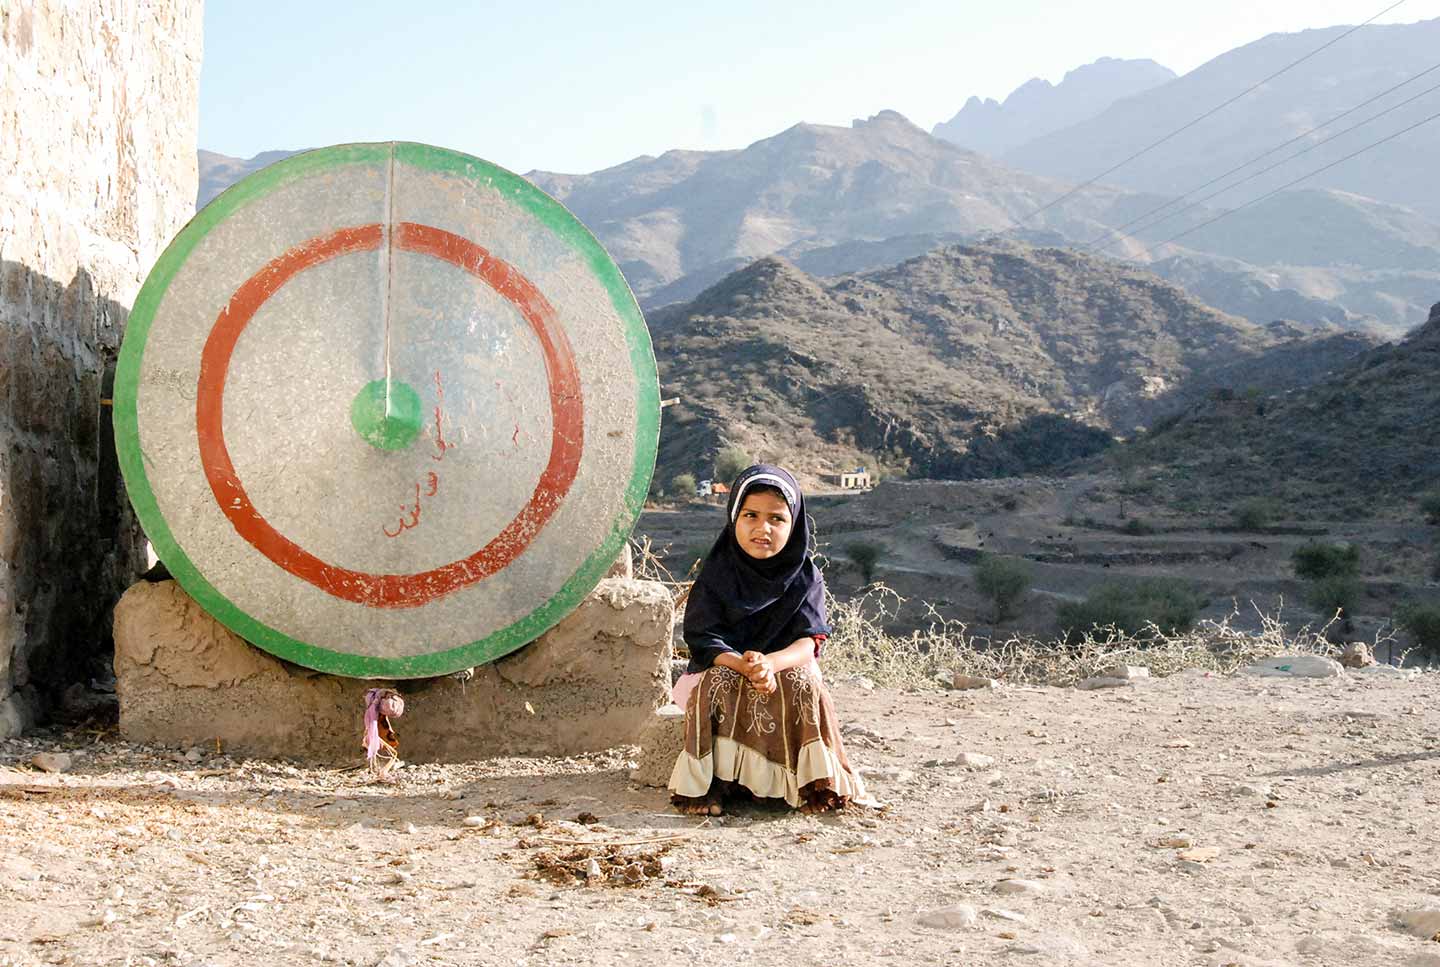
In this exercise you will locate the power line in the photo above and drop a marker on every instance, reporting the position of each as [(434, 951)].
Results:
[(1210, 221), (1213, 110), (1120, 229)]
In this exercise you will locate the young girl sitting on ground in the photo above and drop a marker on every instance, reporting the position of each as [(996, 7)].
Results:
[(757, 716)]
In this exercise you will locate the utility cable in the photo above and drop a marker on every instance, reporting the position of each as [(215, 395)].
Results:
[(1269, 194), (1120, 229), (1185, 127)]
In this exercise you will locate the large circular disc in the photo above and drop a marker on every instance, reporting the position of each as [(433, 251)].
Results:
[(386, 410)]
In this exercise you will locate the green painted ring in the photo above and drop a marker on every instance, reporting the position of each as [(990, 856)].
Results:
[(549, 214)]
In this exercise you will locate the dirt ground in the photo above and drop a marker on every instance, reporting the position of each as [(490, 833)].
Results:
[(1190, 820)]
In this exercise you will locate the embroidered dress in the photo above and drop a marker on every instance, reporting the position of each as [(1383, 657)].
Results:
[(784, 745)]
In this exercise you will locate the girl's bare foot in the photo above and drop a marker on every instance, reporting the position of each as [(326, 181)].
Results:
[(705, 806), (823, 801)]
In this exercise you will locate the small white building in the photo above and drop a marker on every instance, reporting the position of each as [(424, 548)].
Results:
[(857, 479)]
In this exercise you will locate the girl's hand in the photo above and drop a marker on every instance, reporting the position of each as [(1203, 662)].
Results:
[(763, 672)]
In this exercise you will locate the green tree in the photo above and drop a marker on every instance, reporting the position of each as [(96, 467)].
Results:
[(1131, 606), (682, 485), (1335, 594), (1254, 514), (1004, 580), (1315, 561), (1422, 621), (1126, 463), (864, 555), (729, 462)]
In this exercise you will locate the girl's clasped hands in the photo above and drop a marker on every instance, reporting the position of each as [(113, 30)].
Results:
[(760, 670)]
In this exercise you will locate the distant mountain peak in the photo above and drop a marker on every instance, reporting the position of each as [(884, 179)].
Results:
[(1037, 107), (885, 117)]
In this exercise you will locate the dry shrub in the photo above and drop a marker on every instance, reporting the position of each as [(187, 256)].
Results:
[(860, 645)]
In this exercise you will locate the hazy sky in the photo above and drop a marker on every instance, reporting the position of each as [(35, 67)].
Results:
[(576, 87)]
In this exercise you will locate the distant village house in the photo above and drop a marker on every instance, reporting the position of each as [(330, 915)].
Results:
[(857, 479)]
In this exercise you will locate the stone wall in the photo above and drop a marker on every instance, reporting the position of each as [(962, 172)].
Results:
[(98, 119)]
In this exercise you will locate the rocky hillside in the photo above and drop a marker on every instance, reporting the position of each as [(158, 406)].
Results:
[(965, 362), (1037, 107), (688, 211), (1365, 436), (1333, 81)]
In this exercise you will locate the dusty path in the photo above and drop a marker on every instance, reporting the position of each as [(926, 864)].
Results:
[(1310, 807)]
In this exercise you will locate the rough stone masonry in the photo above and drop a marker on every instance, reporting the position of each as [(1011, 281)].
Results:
[(98, 122)]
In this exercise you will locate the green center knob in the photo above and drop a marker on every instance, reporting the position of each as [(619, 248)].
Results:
[(386, 414)]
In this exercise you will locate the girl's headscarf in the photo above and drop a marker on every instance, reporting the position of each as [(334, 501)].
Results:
[(739, 603)]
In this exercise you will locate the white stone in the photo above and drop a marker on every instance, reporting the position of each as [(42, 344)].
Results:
[(1019, 887), (1127, 672), (952, 917), (1387, 671), (50, 761), (1098, 682), (1296, 666)]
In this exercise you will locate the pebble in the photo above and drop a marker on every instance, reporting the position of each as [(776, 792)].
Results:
[(999, 914), (50, 761), (1176, 842), (473, 821), (1019, 887), (973, 682), (948, 918)]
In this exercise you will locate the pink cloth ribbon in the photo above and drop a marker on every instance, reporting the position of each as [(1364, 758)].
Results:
[(378, 702)]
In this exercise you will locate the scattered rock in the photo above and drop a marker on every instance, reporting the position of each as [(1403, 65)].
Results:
[(973, 682), (1199, 854), (886, 773), (1098, 682), (1296, 666), (50, 761), (948, 918), (1423, 922), (1177, 841), (1019, 887), (1388, 671), (402, 956), (966, 760), (1127, 673), (1009, 915), (1357, 655)]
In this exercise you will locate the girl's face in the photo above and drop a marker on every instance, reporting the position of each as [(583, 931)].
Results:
[(763, 525)]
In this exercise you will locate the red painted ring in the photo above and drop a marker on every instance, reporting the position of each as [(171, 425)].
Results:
[(567, 439)]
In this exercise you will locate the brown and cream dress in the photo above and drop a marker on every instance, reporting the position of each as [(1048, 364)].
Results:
[(784, 745)]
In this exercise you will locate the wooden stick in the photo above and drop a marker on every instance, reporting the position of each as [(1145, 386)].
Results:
[(623, 842)]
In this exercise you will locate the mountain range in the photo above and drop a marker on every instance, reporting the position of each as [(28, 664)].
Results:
[(967, 361), (837, 200)]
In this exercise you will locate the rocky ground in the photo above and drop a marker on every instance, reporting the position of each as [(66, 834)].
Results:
[(1189, 820)]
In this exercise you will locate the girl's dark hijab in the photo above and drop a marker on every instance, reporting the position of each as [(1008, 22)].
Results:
[(741, 604)]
